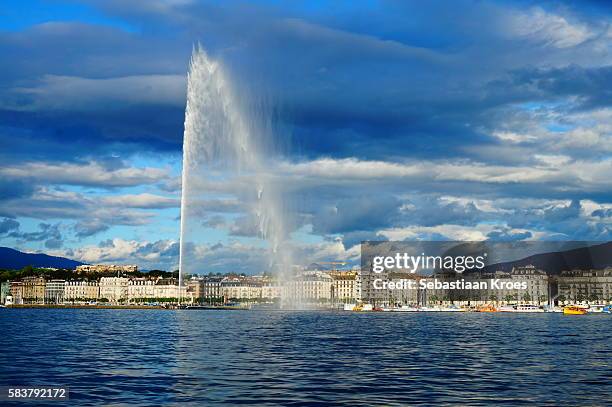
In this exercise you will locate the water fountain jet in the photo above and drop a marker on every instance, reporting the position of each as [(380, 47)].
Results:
[(224, 143)]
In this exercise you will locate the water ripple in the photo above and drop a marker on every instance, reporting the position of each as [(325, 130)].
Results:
[(150, 357)]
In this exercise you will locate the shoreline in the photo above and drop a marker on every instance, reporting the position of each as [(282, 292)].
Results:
[(76, 306)]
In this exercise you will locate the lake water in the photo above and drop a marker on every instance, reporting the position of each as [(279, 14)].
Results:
[(189, 357)]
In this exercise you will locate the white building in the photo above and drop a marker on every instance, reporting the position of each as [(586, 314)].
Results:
[(310, 286), (139, 289), (586, 285), (270, 290), (344, 286), (240, 288), (106, 268), (114, 289), (81, 290), (54, 291)]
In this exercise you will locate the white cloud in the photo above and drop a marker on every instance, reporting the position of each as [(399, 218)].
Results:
[(549, 28), (90, 174), (452, 232), (82, 94), (571, 174), (351, 169), (143, 201), (49, 203)]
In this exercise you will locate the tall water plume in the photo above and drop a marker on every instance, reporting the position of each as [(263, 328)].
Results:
[(226, 148)]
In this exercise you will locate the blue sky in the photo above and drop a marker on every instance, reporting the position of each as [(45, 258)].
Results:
[(397, 120)]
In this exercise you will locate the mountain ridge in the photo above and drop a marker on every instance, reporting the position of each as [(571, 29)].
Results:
[(12, 259), (553, 263)]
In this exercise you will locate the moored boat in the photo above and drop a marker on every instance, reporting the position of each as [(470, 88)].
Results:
[(406, 308), (574, 310), (452, 308), (349, 307), (596, 308), (430, 309), (487, 308), (528, 308)]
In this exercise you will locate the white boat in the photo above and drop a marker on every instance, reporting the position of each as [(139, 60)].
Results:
[(406, 308), (507, 308), (349, 307), (528, 308), (358, 307), (430, 309), (452, 308), (596, 308)]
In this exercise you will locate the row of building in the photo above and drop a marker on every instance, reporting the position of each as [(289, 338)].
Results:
[(522, 284), (37, 290)]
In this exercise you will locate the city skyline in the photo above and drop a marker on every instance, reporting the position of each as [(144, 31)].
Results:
[(386, 131)]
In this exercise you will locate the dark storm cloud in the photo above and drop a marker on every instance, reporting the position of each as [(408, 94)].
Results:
[(49, 233), (70, 88), (346, 88), (356, 214), (602, 213), (89, 227), (7, 225), (590, 85), (14, 189)]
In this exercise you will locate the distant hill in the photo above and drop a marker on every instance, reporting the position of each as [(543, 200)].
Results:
[(11, 259), (591, 257)]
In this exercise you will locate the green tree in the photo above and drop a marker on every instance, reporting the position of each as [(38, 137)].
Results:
[(593, 297)]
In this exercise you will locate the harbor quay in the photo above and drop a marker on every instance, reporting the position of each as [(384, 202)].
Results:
[(331, 289)]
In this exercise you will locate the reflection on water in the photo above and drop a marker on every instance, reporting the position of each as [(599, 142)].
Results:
[(147, 357)]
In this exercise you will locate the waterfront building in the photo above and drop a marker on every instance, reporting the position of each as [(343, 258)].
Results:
[(16, 291), (195, 286), (536, 281), (491, 294), (33, 290), (54, 291), (270, 290), (5, 290), (166, 288), (585, 285), (390, 288), (114, 289), (240, 288), (212, 289), (344, 286), (81, 291), (309, 286), (139, 289), (106, 268), (435, 296)]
